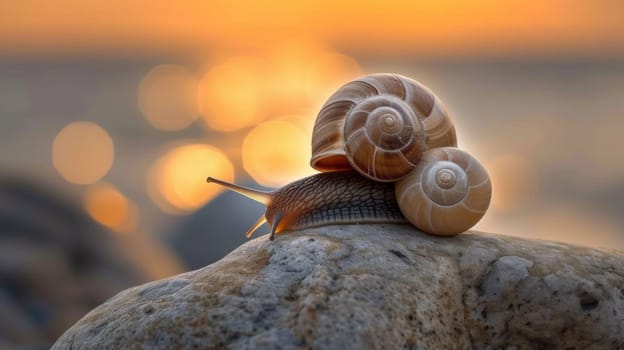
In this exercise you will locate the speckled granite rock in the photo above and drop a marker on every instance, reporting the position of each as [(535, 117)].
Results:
[(374, 286)]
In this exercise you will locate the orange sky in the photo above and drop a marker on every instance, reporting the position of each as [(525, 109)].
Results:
[(451, 28)]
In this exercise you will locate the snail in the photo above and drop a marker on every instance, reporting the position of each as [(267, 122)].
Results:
[(387, 151), (323, 199)]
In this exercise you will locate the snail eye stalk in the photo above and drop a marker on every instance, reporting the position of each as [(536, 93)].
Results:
[(256, 195), (276, 221), (255, 226)]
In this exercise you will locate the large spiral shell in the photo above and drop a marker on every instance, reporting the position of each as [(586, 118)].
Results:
[(447, 193), (379, 125)]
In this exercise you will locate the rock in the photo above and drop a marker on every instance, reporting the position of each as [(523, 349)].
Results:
[(374, 286)]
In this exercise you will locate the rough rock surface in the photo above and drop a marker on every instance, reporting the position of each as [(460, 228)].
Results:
[(374, 286)]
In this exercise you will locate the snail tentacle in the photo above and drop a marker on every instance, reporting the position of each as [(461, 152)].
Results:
[(257, 195), (255, 226), (276, 221)]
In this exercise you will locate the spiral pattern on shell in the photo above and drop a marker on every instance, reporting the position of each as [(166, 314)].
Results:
[(379, 125), (447, 193)]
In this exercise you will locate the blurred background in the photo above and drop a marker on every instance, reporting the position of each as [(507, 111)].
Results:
[(112, 114)]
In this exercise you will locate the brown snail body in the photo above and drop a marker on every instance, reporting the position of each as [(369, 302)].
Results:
[(323, 199), (399, 138)]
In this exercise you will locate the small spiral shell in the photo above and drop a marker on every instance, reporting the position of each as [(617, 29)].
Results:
[(379, 125), (447, 193)]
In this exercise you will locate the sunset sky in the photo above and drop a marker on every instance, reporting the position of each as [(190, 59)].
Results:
[(452, 28)]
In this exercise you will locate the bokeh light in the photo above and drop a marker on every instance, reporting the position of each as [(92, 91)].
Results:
[(228, 95), (286, 82), (277, 152), (177, 182), (106, 205), (82, 152), (327, 72), (301, 75), (282, 79), (168, 97)]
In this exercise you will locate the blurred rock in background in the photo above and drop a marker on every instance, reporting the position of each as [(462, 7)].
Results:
[(196, 240), (56, 264)]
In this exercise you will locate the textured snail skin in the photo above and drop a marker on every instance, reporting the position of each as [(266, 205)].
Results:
[(447, 193), (379, 125), (333, 198)]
